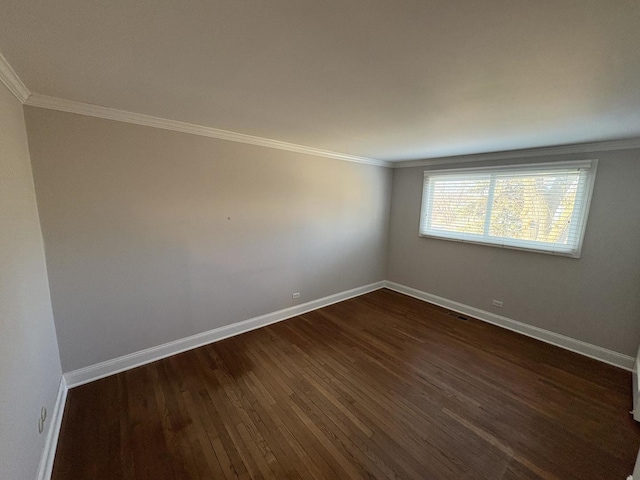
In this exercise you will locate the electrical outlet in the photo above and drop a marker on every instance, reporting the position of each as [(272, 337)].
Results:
[(295, 295), (496, 303), (43, 417)]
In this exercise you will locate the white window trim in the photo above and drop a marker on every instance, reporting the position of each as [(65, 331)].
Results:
[(515, 244)]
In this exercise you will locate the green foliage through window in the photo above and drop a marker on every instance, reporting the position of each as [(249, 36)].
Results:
[(539, 207)]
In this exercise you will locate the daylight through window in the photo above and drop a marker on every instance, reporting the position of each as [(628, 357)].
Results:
[(539, 207)]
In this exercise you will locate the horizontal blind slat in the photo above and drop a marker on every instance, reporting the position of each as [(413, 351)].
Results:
[(540, 208)]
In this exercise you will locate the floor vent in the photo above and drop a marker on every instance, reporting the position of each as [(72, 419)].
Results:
[(459, 316)]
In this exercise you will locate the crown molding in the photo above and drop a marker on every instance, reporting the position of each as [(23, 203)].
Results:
[(529, 152), (71, 106), (10, 78)]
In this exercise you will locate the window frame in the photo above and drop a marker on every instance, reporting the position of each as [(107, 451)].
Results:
[(579, 229)]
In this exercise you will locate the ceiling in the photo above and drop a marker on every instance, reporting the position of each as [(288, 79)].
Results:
[(389, 80)]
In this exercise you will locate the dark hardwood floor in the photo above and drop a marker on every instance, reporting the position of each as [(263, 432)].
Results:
[(380, 386)]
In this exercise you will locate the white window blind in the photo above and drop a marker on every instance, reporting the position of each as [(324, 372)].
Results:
[(540, 207)]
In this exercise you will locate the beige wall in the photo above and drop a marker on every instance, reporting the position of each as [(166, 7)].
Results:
[(153, 235), (29, 362), (595, 299)]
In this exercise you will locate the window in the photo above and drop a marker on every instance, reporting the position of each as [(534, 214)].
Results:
[(539, 207)]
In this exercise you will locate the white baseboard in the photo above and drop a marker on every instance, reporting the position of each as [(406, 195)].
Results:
[(49, 452), (126, 362), (136, 359), (593, 351)]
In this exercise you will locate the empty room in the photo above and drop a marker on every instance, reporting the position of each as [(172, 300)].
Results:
[(319, 240)]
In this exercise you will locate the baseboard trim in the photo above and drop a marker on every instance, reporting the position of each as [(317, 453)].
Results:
[(91, 373), (593, 351), (110, 367), (49, 452)]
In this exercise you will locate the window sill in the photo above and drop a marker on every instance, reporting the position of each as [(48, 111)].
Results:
[(558, 253)]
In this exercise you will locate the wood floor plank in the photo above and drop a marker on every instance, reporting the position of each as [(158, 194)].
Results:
[(382, 386), (146, 429)]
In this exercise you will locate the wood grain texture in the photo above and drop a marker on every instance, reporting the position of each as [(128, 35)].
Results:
[(382, 386)]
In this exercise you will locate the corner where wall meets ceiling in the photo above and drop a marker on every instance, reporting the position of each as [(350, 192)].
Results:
[(363, 81)]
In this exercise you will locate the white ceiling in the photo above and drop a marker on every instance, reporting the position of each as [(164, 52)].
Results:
[(390, 80)]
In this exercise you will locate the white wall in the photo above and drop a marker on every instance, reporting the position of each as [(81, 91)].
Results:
[(595, 299), (30, 369), (153, 235)]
